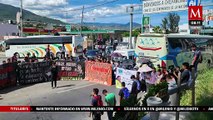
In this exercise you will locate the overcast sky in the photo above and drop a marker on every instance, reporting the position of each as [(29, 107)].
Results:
[(113, 12)]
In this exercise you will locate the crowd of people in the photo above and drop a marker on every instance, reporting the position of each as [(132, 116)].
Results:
[(142, 80)]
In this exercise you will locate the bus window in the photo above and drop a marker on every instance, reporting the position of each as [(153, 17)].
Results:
[(175, 43)]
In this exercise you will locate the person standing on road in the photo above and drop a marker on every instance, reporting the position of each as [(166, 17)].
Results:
[(63, 51), (27, 58), (47, 56), (110, 100), (123, 93), (197, 57), (33, 58), (54, 71), (15, 57), (96, 101), (135, 87)]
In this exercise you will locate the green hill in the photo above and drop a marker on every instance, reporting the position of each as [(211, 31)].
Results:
[(8, 12)]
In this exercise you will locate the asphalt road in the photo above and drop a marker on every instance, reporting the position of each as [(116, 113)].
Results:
[(69, 93)]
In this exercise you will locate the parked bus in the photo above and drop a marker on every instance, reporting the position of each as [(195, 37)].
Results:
[(172, 49), (38, 45)]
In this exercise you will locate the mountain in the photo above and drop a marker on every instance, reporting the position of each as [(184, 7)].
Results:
[(8, 12), (111, 26)]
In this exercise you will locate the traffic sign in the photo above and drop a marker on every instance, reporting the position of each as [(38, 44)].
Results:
[(68, 28), (146, 21)]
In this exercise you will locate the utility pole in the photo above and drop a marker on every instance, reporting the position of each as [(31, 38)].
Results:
[(21, 19), (131, 26), (82, 18)]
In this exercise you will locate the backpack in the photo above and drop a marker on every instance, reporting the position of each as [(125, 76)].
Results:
[(99, 100), (100, 103), (138, 85), (126, 93)]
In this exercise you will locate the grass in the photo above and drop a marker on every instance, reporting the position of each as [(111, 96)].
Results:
[(203, 94)]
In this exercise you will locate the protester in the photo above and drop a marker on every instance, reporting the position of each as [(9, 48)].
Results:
[(96, 101), (33, 58), (54, 72), (176, 72), (27, 58), (160, 75), (136, 87), (8, 60), (154, 76), (15, 57), (185, 75), (110, 100), (47, 56), (170, 80), (143, 82), (4, 62), (123, 93), (197, 56), (63, 51)]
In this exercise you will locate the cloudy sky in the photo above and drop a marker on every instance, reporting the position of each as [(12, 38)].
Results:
[(105, 11)]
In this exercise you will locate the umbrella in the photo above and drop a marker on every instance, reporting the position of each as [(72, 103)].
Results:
[(145, 68), (116, 55)]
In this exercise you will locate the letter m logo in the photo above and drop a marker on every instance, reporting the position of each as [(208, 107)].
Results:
[(195, 12)]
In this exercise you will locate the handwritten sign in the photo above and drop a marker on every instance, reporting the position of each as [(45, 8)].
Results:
[(34, 72), (70, 70), (124, 75)]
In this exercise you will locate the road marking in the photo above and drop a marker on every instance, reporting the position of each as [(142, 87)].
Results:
[(76, 88)]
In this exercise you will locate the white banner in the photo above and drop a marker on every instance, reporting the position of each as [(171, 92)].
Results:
[(124, 75), (158, 6)]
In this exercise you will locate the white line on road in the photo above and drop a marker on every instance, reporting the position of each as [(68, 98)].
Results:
[(76, 88)]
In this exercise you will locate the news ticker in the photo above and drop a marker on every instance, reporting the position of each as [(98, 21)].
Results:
[(106, 108)]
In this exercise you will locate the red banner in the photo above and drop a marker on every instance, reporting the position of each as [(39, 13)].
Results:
[(98, 72)]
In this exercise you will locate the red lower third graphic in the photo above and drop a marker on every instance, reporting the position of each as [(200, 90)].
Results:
[(15, 108)]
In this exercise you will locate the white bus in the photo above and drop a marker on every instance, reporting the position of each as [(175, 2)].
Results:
[(172, 49), (38, 45)]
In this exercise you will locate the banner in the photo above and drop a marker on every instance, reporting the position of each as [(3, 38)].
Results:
[(70, 70), (7, 75), (159, 6), (123, 75), (29, 73), (98, 72)]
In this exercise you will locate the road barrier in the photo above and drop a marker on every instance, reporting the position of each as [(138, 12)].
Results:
[(7, 75), (98, 72), (71, 70)]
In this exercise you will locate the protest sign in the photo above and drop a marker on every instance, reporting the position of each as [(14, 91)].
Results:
[(123, 75), (70, 70), (98, 72)]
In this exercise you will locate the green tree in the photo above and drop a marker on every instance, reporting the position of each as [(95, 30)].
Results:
[(135, 33), (174, 20), (164, 24), (170, 23), (157, 29)]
